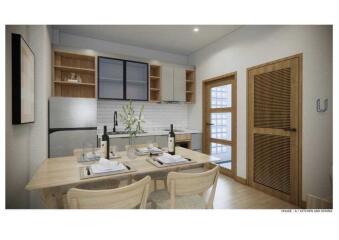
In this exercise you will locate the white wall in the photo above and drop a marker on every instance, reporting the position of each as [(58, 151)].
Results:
[(63, 40), (26, 145), (253, 45)]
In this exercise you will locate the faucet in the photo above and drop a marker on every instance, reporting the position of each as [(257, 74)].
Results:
[(115, 120)]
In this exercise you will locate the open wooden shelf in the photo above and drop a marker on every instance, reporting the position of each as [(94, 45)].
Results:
[(190, 86), (65, 68), (154, 83), (73, 83), (70, 65)]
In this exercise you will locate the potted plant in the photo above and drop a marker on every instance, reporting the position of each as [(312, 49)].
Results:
[(133, 125)]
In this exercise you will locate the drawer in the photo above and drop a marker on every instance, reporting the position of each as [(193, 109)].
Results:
[(183, 137)]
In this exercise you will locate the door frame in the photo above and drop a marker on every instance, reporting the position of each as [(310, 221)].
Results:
[(299, 56), (231, 76)]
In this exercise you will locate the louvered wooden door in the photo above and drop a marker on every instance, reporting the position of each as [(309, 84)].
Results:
[(274, 127)]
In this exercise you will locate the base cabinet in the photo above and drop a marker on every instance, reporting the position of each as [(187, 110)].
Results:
[(121, 142), (196, 141), (145, 140), (161, 141)]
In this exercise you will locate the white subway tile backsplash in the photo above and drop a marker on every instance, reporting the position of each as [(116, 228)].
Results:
[(156, 116)]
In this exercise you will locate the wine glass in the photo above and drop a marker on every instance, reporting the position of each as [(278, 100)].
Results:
[(113, 149), (88, 151)]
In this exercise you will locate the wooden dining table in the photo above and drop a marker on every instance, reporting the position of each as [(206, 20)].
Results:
[(56, 175)]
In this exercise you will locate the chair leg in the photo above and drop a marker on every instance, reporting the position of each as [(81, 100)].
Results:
[(153, 205), (165, 183)]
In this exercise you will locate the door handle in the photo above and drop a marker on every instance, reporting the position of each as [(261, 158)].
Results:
[(209, 124), (290, 129)]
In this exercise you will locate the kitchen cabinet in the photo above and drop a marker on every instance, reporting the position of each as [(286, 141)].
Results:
[(190, 86), (196, 141), (166, 83), (179, 84), (162, 140), (120, 143), (173, 85), (136, 81), (74, 75), (154, 83), (122, 80), (110, 78), (144, 139)]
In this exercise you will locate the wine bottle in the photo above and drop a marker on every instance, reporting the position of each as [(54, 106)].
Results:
[(105, 143), (171, 141)]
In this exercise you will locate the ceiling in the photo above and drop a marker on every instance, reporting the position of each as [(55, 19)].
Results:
[(178, 39)]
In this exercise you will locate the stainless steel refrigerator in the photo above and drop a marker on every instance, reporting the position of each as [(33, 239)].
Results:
[(72, 123)]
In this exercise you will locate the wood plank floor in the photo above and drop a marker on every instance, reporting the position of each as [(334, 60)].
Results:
[(233, 195)]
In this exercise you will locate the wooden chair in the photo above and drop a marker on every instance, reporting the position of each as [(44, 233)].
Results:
[(131, 196), (158, 176), (187, 190)]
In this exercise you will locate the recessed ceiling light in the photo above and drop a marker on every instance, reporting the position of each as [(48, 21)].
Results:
[(196, 29)]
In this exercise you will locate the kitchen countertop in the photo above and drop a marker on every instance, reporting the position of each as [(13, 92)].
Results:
[(156, 133)]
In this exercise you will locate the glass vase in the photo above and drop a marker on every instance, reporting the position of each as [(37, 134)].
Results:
[(131, 149)]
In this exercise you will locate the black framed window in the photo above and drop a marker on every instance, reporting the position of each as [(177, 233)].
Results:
[(122, 79)]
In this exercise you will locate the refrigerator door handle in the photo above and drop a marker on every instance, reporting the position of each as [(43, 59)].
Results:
[(52, 130)]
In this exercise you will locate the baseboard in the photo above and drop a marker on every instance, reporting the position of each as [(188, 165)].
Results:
[(240, 180)]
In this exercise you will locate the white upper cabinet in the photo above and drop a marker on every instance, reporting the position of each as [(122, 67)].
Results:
[(166, 83), (179, 84), (173, 85)]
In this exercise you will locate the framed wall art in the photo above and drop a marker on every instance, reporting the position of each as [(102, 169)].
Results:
[(22, 81)]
